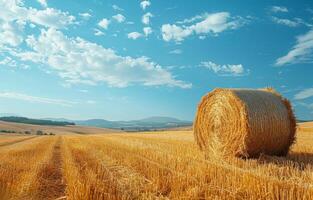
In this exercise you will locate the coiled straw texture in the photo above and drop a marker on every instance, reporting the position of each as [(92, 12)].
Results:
[(244, 123)]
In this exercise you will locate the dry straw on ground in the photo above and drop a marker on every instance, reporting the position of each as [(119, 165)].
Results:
[(244, 123)]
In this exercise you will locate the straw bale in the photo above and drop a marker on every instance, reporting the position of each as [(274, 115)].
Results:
[(244, 123)]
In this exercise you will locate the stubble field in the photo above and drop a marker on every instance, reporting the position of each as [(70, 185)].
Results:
[(153, 165)]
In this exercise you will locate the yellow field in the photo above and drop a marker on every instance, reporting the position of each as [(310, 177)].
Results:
[(156, 165)]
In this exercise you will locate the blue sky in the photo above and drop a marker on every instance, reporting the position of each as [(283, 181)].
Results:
[(122, 60)]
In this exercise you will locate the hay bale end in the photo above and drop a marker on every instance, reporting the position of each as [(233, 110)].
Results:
[(244, 123)]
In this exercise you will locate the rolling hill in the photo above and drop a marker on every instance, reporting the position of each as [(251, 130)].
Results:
[(146, 124)]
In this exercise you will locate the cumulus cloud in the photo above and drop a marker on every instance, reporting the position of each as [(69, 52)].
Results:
[(116, 7), (277, 9), (104, 23), (43, 3), (8, 61), (192, 19), (50, 17), (144, 4), (35, 99), (207, 24), (14, 16), (85, 15), (147, 31), (134, 35), (79, 61), (146, 18), (11, 33), (287, 22), (227, 69), (119, 18), (304, 94), (301, 52)]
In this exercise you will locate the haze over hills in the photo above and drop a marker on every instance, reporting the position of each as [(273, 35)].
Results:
[(149, 123), (146, 123)]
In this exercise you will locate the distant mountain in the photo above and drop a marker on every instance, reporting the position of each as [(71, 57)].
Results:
[(149, 123), (98, 123), (133, 125), (58, 119), (160, 120)]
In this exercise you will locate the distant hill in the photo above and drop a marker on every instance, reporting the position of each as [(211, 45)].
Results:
[(301, 121), (137, 125), (146, 124), (25, 120)]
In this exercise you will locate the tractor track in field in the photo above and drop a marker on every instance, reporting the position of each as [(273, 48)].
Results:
[(50, 177), (17, 141)]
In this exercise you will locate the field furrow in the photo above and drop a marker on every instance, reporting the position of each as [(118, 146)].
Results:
[(104, 178), (19, 166), (50, 177)]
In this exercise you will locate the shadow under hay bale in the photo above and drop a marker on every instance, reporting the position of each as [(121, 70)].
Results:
[(244, 123)]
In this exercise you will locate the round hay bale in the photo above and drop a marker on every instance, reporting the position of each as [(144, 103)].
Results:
[(244, 123)]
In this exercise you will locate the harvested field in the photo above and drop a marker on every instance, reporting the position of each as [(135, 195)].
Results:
[(21, 128), (152, 165)]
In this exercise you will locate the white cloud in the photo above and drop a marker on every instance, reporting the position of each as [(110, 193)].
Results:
[(11, 33), (85, 15), (35, 99), (176, 51), (119, 18), (306, 105), (50, 17), (276, 9), (144, 4), (304, 94), (146, 18), (14, 16), (13, 11), (116, 7), (98, 32), (78, 61), (193, 19), (43, 3), (134, 35), (227, 69), (301, 52), (209, 24), (104, 23), (8, 61), (176, 33), (147, 31), (287, 22)]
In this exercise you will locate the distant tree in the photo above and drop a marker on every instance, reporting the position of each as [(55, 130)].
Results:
[(39, 132), (27, 132), (7, 131), (35, 121)]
